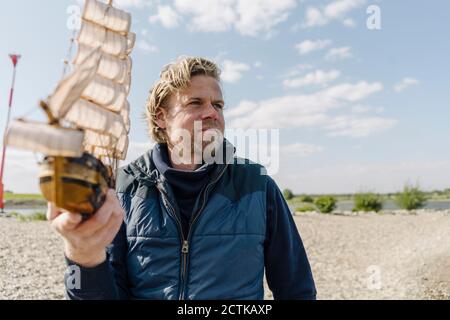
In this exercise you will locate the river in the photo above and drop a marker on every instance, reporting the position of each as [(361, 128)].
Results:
[(341, 206)]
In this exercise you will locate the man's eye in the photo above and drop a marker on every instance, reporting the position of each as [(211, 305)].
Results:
[(219, 106)]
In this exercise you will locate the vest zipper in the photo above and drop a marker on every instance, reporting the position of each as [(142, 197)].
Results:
[(184, 252), (185, 242), (185, 249)]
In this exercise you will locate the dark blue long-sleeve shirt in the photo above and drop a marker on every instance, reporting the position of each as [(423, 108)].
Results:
[(288, 271)]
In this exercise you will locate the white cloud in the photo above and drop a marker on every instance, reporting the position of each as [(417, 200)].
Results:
[(132, 3), (352, 126), (336, 10), (297, 150), (339, 8), (135, 150), (257, 16), (349, 23), (125, 4), (405, 83), (208, 16), (353, 92), (314, 17), (309, 46), (317, 77), (360, 109), (299, 111), (146, 47), (21, 172), (296, 70), (232, 71), (338, 53), (245, 107), (168, 17), (248, 17)]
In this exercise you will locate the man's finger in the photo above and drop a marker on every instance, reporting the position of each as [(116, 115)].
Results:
[(101, 217), (67, 221), (109, 231), (52, 211)]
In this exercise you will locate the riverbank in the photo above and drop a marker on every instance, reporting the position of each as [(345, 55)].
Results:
[(12, 204), (353, 256)]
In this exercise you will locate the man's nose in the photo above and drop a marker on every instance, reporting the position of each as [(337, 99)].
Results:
[(210, 111)]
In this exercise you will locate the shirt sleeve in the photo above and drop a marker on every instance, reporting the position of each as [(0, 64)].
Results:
[(288, 271), (108, 280)]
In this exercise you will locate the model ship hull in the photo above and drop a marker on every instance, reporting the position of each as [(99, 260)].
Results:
[(75, 184)]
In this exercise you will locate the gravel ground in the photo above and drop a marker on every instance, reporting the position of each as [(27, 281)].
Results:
[(364, 256), (31, 261)]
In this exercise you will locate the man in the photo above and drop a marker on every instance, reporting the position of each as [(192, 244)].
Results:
[(186, 229)]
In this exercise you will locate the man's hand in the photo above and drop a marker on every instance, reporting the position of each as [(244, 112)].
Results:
[(85, 241)]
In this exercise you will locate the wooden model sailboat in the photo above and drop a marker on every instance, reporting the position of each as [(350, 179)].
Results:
[(88, 115)]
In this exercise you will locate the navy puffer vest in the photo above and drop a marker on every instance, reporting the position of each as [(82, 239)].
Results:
[(223, 254)]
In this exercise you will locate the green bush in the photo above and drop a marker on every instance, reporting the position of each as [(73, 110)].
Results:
[(446, 193), (37, 216), (411, 198), (325, 204), (306, 208), (13, 214), (288, 195), (20, 196), (307, 199), (368, 202)]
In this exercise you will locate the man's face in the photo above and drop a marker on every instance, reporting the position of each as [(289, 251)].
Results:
[(201, 103)]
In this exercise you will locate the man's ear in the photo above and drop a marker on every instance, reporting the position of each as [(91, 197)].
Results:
[(161, 118)]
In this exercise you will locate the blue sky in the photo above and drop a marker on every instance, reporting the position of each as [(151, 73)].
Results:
[(357, 109)]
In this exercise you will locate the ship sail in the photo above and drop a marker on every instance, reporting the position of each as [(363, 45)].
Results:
[(110, 67), (70, 89), (49, 140), (107, 16), (103, 108), (93, 98)]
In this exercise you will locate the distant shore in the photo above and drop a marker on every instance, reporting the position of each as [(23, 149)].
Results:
[(344, 202), (11, 204), (25, 204), (29, 201)]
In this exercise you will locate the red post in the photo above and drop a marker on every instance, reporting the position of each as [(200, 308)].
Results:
[(15, 59)]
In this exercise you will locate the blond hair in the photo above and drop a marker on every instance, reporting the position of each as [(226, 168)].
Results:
[(174, 76)]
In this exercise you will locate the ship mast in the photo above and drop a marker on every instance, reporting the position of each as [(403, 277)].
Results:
[(69, 54)]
